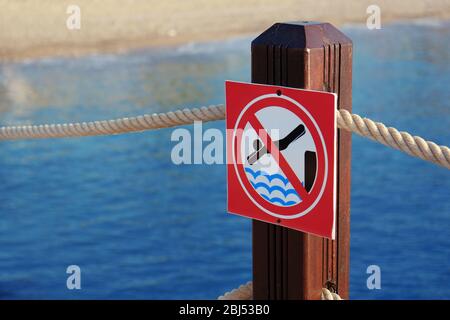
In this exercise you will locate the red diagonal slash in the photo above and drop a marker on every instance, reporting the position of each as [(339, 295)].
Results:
[(279, 158)]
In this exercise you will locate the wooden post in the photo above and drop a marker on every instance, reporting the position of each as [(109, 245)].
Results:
[(288, 264)]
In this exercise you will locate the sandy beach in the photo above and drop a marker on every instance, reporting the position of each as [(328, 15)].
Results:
[(33, 29)]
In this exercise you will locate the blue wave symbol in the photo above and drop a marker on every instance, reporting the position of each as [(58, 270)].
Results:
[(274, 188), (269, 177)]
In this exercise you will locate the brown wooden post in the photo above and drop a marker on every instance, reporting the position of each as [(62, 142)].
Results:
[(288, 264)]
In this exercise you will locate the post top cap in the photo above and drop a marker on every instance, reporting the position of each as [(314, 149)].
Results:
[(303, 23), (302, 35)]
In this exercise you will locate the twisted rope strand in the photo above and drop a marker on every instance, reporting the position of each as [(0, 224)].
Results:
[(245, 292), (117, 126), (403, 141), (413, 145)]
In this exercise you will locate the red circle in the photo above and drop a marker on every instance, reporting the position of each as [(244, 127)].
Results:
[(320, 175)]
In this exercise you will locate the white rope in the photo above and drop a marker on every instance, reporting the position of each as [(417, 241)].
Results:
[(109, 127), (412, 145), (245, 292), (328, 295)]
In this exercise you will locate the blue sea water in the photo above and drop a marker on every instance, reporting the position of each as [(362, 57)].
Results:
[(141, 227)]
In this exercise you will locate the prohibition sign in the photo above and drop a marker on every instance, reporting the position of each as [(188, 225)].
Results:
[(277, 103)]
